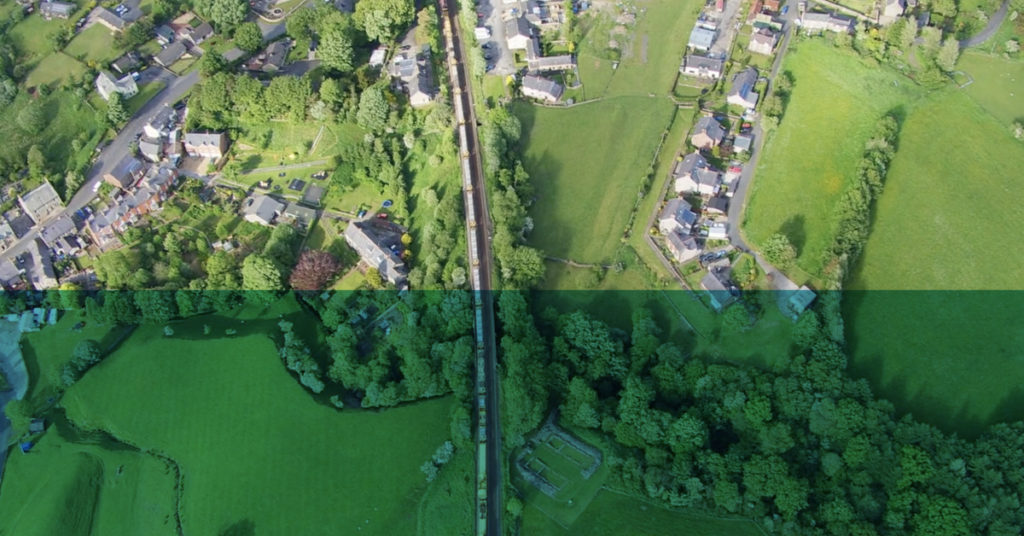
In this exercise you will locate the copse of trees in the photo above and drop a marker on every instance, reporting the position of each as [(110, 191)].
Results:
[(86, 354), (382, 20), (520, 266), (298, 359), (802, 449), (854, 210)]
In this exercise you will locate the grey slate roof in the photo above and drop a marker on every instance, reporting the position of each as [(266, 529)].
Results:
[(201, 32), (57, 9), (701, 38), (277, 53), (164, 32), (689, 164), (41, 201), (517, 27), (170, 54), (678, 210), (710, 126), (362, 240), (718, 204), (57, 229), (125, 169), (543, 85), (743, 142), (703, 63), (262, 207)]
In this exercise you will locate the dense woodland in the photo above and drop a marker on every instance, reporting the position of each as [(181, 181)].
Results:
[(801, 448)]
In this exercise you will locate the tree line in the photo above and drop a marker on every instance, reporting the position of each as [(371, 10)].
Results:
[(800, 448)]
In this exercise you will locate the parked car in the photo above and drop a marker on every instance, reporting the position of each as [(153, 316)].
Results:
[(383, 215), (785, 9), (136, 76), (361, 213)]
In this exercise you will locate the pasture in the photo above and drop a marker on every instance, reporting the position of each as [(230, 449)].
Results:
[(923, 235), (952, 358), (75, 489), (616, 514), (808, 162), (998, 85), (254, 447), (586, 161)]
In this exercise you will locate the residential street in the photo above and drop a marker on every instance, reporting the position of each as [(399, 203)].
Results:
[(115, 150)]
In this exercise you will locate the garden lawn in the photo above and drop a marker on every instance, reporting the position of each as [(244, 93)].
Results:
[(255, 449), (952, 358), (94, 44), (806, 165), (586, 164), (146, 92), (925, 233), (54, 68), (79, 489), (615, 514), (998, 85), (32, 37)]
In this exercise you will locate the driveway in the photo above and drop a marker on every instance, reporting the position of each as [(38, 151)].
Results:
[(990, 29), (504, 59), (728, 25), (115, 150)]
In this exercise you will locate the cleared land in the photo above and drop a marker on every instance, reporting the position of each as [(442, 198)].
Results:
[(255, 449), (584, 162), (807, 163), (614, 514)]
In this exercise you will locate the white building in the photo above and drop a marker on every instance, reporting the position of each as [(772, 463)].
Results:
[(107, 85)]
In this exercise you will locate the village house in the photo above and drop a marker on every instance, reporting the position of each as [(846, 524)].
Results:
[(151, 148), (682, 248), (164, 34), (693, 175), (762, 41), (518, 34), (200, 33), (125, 173), (39, 268), (707, 133), (41, 203), (701, 38), (794, 302), (538, 87), (56, 10), (7, 234), (543, 64), (211, 145), (170, 54), (742, 93), (716, 206), (161, 123), (415, 77), (60, 236), (261, 209), (891, 10), (125, 63), (361, 237), (107, 85), (676, 217), (742, 143), (276, 56), (718, 293), (819, 22), (108, 18), (702, 67), (128, 207), (299, 215)]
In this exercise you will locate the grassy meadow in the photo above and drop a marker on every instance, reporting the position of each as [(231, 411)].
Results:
[(586, 164), (254, 447), (998, 84), (806, 165), (614, 514)]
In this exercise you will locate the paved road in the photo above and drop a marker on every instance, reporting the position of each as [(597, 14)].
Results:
[(990, 29), (115, 150)]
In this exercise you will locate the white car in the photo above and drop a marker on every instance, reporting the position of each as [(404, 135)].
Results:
[(96, 187)]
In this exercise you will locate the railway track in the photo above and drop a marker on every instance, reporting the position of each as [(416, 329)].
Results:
[(489, 505)]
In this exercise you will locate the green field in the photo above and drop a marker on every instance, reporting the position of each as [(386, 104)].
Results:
[(614, 514), (952, 358), (254, 448), (807, 163), (80, 489), (585, 161), (32, 37), (997, 85), (922, 236), (54, 68), (94, 44)]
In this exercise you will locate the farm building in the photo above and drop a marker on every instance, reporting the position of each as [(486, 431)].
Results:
[(701, 39)]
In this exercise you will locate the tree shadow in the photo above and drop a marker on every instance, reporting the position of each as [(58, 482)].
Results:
[(795, 229), (244, 527)]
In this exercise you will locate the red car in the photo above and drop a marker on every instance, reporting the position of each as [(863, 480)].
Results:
[(382, 216)]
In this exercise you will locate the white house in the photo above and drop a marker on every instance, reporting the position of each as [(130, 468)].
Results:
[(702, 67), (682, 248), (107, 85), (518, 34), (693, 175), (675, 217)]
